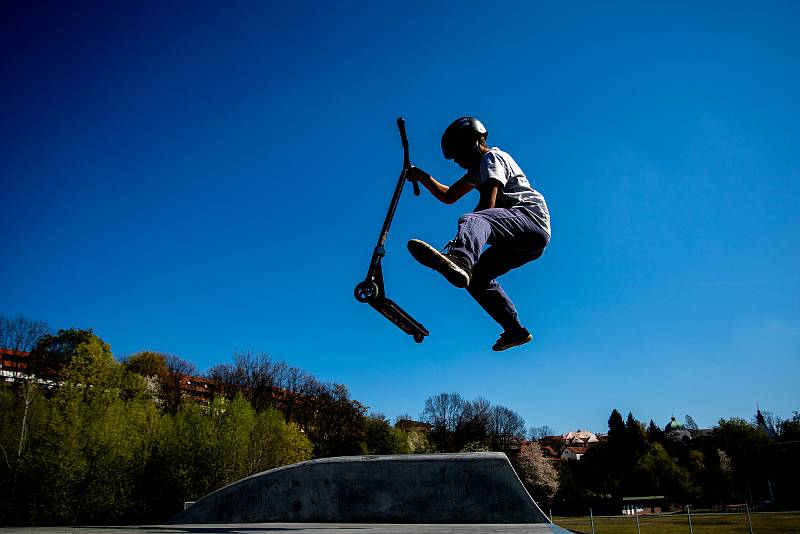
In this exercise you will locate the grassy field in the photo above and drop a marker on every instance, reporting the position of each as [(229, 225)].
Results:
[(763, 523)]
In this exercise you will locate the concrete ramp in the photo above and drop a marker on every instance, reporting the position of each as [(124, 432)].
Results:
[(431, 488)]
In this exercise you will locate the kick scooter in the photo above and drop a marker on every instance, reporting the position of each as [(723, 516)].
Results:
[(370, 290)]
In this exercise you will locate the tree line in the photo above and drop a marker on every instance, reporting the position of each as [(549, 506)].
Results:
[(460, 425), (86, 438), (89, 439), (737, 461)]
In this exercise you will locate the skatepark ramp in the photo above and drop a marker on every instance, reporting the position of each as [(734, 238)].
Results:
[(431, 488)]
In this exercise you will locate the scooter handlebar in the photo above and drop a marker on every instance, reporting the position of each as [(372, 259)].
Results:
[(401, 125)]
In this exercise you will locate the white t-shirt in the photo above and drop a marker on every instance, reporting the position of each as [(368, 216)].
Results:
[(516, 190)]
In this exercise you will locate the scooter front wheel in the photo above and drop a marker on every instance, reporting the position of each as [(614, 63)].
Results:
[(366, 291)]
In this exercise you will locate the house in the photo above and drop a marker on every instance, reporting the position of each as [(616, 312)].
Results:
[(580, 437), (574, 452), (570, 446), (12, 365), (408, 425)]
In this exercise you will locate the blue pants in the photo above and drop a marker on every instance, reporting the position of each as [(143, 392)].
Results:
[(515, 240)]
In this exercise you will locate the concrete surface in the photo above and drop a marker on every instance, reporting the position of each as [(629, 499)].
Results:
[(423, 489), (296, 528)]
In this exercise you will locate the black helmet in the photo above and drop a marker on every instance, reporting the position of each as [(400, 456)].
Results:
[(460, 134)]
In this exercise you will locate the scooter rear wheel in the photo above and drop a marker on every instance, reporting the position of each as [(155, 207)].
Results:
[(366, 291)]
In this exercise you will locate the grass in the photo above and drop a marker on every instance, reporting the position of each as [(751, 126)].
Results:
[(728, 523)]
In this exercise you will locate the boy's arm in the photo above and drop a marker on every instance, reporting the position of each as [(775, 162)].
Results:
[(488, 190), (446, 194)]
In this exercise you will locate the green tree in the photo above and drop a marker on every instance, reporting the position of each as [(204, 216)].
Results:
[(657, 473), (635, 436), (178, 372), (203, 448), (54, 352), (655, 434), (417, 443), (23, 411), (147, 363), (616, 427), (746, 445), (382, 438), (691, 426), (86, 451), (338, 426), (790, 428)]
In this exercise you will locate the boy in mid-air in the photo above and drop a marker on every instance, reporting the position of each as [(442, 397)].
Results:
[(511, 216)]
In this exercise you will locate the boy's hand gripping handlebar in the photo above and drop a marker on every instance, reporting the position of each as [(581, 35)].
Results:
[(401, 124)]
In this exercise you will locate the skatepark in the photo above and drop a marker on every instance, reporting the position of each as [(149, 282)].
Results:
[(300, 266), (437, 493)]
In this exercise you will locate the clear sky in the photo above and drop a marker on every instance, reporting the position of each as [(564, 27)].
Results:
[(198, 178)]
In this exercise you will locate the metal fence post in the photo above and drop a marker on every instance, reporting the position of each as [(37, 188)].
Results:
[(749, 522), (591, 518), (689, 513), (638, 530)]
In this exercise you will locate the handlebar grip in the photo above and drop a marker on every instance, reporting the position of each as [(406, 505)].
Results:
[(401, 124)]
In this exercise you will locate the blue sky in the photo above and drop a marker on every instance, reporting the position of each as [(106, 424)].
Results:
[(199, 178)]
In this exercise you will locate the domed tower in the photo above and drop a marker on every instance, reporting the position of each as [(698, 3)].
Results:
[(673, 424), (676, 431)]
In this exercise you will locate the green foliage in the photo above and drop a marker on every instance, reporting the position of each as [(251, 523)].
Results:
[(382, 438), (746, 445), (738, 461), (96, 448), (658, 473), (205, 447), (85, 446), (338, 425), (147, 363), (616, 426), (790, 429), (417, 443), (99, 441), (475, 446), (655, 434), (53, 353)]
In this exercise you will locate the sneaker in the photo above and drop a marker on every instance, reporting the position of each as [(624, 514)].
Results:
[(512, 339), (448, 264)]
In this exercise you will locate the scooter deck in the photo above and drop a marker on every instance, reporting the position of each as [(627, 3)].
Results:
[(400, 318)]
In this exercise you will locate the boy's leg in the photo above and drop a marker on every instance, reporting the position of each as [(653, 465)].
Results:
[(484, 288), (475, 230), (511, 230), (495, 226)]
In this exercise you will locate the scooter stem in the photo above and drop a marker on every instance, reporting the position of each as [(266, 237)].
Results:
[(401, 124)]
